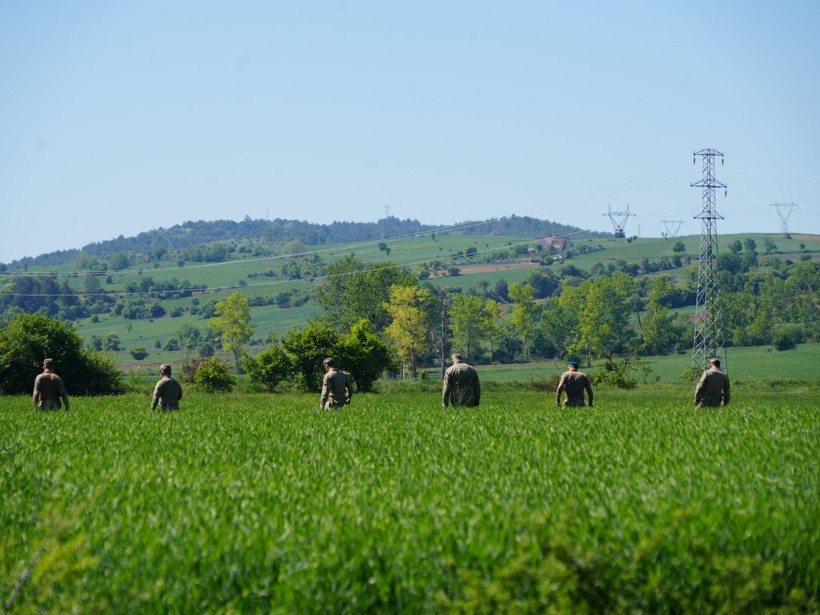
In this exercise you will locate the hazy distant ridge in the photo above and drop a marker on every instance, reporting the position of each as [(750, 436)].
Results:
[(281, 231)]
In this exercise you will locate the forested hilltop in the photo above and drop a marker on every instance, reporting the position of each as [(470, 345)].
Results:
[(280, 231)]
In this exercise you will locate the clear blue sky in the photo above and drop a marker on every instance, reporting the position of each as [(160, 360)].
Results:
[(119, 117)]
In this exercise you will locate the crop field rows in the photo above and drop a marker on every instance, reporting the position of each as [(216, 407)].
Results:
[(246, 503)]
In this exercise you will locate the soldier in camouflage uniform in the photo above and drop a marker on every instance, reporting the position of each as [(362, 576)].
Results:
[(713, 387), (49, 389), (461, 385), (574, 383), (337, 387), (168, 391)]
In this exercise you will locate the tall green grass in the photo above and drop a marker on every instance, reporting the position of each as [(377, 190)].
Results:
[(262, 503)]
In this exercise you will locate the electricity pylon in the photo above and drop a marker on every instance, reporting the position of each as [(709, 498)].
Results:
[(669, 225), (619, 219), (708, 339), (784, 210)]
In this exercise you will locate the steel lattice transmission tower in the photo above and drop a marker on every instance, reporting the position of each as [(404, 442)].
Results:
[(672, 228), (619, 219), (708, 339), (784, 210)]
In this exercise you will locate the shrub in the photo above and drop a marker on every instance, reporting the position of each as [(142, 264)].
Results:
[(787, 337), (622, 372), (172, 344), (138, 353), (214, 376), (268, 368)]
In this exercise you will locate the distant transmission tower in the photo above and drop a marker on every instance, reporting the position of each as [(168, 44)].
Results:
[(708, 340), (784, 210), (669, 225), (619, 219)]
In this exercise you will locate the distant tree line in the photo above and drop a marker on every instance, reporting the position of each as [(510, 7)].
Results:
[(190, 239)]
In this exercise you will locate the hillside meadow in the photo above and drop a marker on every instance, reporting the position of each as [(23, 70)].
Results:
[(263, 503), (757, 365), (247, 274)]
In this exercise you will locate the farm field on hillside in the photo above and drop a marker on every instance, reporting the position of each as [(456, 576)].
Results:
[(745, 364), (262, 503)]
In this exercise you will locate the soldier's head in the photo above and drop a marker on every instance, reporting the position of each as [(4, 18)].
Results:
[(165, 369), (48, 364), (572, 366), (328, 363)]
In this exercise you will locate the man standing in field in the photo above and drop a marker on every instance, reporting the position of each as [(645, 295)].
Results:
[(49, 389), (168, 391), (461, 385), (713, 387), (337, 388), (574, 383)]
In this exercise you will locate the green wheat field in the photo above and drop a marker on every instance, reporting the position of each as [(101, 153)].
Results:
[(262, 503)]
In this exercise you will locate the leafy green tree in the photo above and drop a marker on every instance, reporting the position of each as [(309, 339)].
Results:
[(509, 342), (32, 294), (113, 343), (543, 283), (119, 261), (352, 292), (803, 285), (525, 312), (501, 290), (468, 318), (333, 291), (362, 353), (679, 247), (604, 324), (596, 315), (491, 324), (29, 338), (659, 332), (408, 330), (189, 336), (559, 323), (739, 309), (232, 324), (92, 286), (269, 367), (439, 313), (293, 247), (307, 348)]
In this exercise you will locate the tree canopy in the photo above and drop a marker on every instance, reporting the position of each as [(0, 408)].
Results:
[(232, 323), (30, 338)]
